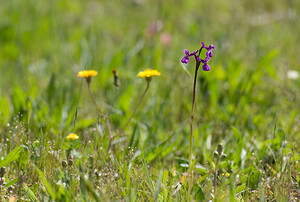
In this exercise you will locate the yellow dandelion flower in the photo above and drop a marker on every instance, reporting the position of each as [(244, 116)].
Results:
[(148, 73), (88, 74), (72, 136)]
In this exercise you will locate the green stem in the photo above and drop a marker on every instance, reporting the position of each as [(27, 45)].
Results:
[(137, 106), (191, 125), (95, 103), (111, 137), (114, 101), (103, 116), (215, 178)]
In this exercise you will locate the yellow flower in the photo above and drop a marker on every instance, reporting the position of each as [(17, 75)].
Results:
[(148, 73), (87, 74), (226, 174), (72, 136)]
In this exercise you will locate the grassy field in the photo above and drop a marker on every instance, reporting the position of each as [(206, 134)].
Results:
[(246, 106)]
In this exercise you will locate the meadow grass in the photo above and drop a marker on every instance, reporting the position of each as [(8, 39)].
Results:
[(245, 140)]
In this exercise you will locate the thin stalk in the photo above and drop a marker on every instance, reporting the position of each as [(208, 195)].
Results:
[(215, 178), (107, 123), (111, 137), (194, 88), (96, 105), (137, 106), (133, 113), (192, 120), (103, 116), (215, 182), (114, 101), (191, 123)]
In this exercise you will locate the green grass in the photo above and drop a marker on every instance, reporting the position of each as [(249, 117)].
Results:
[(246, 102)]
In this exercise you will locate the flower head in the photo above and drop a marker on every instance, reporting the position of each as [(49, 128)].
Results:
[(211, 47), (208, 54), (186, 59), (87, 73), (72, 136), (148, 73)]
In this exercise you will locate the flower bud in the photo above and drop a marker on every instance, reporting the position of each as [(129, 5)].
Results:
[(71, 160), (223, 157), (220, 148), (64, 163), (116, 78), (216, 154)]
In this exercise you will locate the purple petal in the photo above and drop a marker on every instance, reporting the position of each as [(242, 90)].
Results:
[(204, 46), (198, 58), (205, 67), (211, 47), (209, 53), (206, 60), (185, 59), (186, 52)]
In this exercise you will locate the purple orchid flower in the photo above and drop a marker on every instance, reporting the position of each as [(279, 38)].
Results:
[(186, 59), (208, 54), (205, 67)]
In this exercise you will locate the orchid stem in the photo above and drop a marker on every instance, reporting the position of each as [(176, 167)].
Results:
[(191, 165)]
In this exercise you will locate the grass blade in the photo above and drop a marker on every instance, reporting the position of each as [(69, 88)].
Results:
[(158, 184), (46, 183), (29, 192), (12, 156)]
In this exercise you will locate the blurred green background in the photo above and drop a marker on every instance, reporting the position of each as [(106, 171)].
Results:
[(245, 100), (43, 44)]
